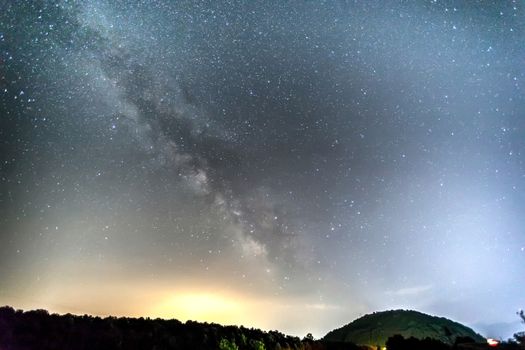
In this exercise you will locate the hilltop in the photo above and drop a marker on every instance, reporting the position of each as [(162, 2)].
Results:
[(375, 329)]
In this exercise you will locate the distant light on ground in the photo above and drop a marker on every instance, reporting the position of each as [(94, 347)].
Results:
[(492, 342)]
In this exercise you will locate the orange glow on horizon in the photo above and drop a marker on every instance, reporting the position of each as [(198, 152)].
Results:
[(199, 306), (194, 301)]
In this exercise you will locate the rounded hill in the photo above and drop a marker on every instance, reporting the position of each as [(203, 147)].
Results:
[(375, 329)]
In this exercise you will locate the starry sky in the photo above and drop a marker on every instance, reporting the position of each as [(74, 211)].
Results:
[(283, 165)]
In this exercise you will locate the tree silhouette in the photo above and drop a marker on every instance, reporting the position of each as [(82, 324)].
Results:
[(43, 331), (520, 336)]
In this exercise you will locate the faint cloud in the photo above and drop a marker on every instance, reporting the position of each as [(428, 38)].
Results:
[(410, 291), (322, 306)]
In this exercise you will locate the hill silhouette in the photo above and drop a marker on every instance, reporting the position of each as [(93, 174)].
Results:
[(375, 329)]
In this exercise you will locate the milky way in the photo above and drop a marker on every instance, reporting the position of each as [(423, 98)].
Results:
[(285, 165)]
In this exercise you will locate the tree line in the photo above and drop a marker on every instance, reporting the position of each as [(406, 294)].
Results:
[(38, 329)]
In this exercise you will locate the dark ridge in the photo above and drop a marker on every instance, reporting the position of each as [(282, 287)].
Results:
[(375, 329)]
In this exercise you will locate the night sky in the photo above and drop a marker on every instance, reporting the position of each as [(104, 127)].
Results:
[(283, 165)]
